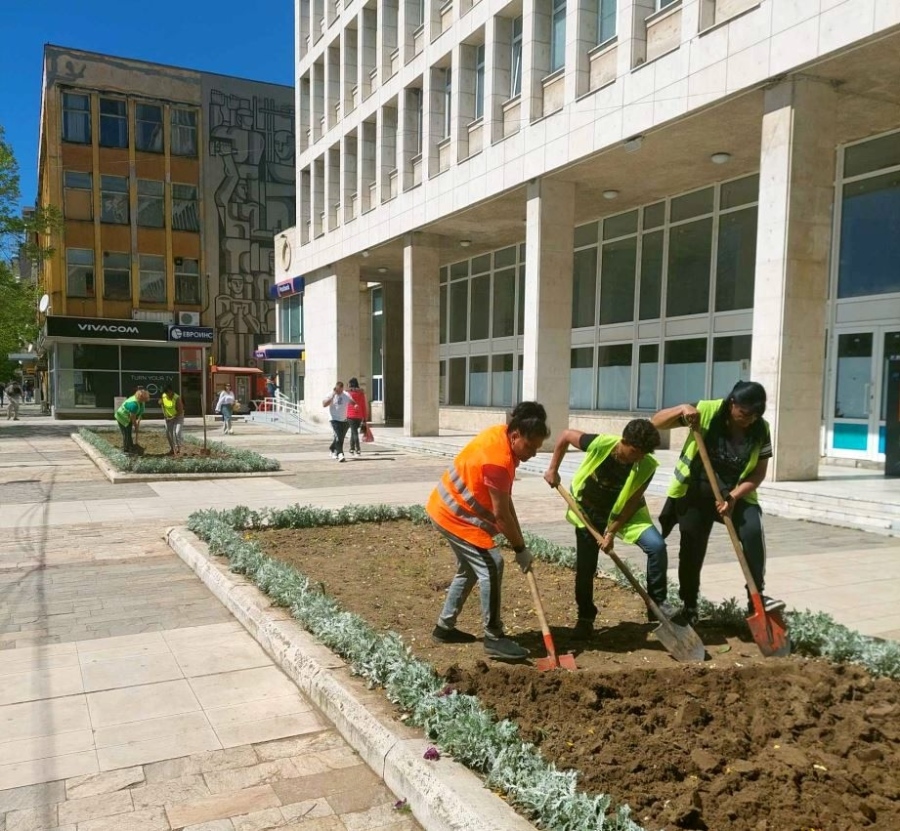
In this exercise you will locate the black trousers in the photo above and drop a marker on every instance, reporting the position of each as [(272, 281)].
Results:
[(696, 515), (338, 431), (354, 433)]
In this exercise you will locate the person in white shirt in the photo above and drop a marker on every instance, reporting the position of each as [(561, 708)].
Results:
[(337, 404), (225, 405)]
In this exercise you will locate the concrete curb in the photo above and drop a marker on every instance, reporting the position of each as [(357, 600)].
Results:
[(443, 796), (120, 477)]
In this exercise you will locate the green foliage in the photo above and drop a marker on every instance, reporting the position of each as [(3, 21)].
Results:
[(232, 461)]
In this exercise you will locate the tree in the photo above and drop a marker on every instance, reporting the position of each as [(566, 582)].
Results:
[(19, 237)]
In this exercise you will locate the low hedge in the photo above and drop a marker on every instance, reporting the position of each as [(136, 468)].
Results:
[(231, 460), (457, 723)]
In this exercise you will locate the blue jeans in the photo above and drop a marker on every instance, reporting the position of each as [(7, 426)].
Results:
[(227, 412), (587, 552), (483, 566)]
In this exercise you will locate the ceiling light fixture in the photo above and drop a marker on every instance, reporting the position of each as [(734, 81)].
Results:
[(720, 158), (610, 194), (365, 253), (382, 269), (465, 243)]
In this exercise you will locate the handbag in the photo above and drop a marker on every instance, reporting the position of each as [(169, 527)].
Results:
[(367, 435)]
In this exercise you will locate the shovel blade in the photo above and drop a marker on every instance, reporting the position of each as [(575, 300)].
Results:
[(682, 642), (555, 662), (770, 633)]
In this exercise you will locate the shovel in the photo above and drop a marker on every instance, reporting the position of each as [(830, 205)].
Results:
[(682, 642), (767, 628), (552, 661)]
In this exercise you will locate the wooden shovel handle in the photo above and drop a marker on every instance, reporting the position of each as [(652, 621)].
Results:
[(732, 532)]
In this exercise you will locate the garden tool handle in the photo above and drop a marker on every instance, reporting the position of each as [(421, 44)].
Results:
[(635, 584), (542, 619), (717, 493)]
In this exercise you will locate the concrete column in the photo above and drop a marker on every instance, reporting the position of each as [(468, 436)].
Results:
[(392, 357), (796, 193), (535, 60), (497, 38), (581, 37), (549, 242), (421, 348), (332, 334)]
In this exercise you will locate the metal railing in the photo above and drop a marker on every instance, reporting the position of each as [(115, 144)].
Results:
[(280, 411)]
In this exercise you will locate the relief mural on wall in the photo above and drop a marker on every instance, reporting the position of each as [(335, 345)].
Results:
[(251, 149)]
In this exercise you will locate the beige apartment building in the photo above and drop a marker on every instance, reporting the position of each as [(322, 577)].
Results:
[(610, 206)]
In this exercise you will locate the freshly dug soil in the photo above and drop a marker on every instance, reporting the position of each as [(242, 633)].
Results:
[(155, 444), (740, 742)]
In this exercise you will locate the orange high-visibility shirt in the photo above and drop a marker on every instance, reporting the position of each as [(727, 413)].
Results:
[(461, 503)]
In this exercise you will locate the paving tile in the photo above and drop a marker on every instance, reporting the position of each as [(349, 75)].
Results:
[(264, 708), (32, 686), (215, 825), (359, 799), (222, 806), (328, 739), (79, 787), (118, 652), (16, 667), (43, 747), (308, 809), (43, 718), (377, 816), (223, 657), (329, 823), (174, 791), (324, 784), (270, 728), (196, 763), (184, 637), (225, 781), (140, 703), (150, 819), (242, 686), (130, 672), (92, 807), (31, 796), (156, 749), (35, 771), (33, 819), (259, 820), (139, 731)]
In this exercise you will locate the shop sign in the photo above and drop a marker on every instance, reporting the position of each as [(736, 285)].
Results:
[(153, 382), (191, 334), (83, 328)]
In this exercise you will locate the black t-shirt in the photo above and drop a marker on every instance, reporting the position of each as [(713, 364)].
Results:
[(602, 488), (729, 456)]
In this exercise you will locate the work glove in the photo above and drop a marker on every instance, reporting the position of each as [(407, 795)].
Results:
[(524, 558)]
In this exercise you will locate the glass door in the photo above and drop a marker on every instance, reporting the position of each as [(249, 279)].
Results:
[(859, 401)]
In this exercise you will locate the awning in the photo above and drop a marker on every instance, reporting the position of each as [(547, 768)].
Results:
[(24, 357), (280, 352), (245, 370)]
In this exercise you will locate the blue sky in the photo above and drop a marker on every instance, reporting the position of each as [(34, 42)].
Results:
[(231, 37)]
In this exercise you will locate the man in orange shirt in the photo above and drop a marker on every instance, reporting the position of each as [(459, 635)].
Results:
[(470, 506)]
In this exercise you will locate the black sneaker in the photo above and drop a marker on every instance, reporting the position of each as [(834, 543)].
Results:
[(668, 610), (687, 616), (444, 635), (503, 649), (584, 628)]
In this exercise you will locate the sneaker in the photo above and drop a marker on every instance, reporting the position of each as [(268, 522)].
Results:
[(770, 604), (443, 635), (687, 616), (584, 628), (668, 610), (340, 457), (503, 649), (333, 455)]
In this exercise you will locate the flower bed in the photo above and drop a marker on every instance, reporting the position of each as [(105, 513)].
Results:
[(690, 747), (221, 457)]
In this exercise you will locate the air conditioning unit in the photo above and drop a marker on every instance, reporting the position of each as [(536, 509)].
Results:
[(188, 318)]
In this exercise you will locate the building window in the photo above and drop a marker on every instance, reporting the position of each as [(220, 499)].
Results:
[(187, 281), (116, 276), (617, 280), (606, 20), (113, 122), (80, 271), (79, 195), (649, 302), (648, 376), (459, 305), (456, 382), (479, 81), (581, 378), (480, 308), (290, 319), (114, 200), (731, 363), (151, 203), (614, 377), (152, 279), (690, 256), (684, 373), (502, 379), (377, 344), (504, 306), (515, 62), (76, 113), (418, 103), (584, 288), (558, 36), (184, 132), (736, 260), (448, 102), (661, 4), (479, 389), (185, 208), (149, 128)]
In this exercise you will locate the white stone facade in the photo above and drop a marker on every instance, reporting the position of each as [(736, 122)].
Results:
[(431, 132)]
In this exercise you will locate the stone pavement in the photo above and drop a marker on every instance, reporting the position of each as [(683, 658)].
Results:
[(130, 698)]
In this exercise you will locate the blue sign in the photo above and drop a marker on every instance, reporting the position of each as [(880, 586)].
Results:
[(295, 285), (191, 334)]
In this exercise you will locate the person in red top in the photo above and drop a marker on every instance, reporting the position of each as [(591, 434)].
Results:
[(356, 414), (470, 506)]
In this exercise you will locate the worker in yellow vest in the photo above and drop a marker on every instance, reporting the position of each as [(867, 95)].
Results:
[(173, 411), (470, 506)]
